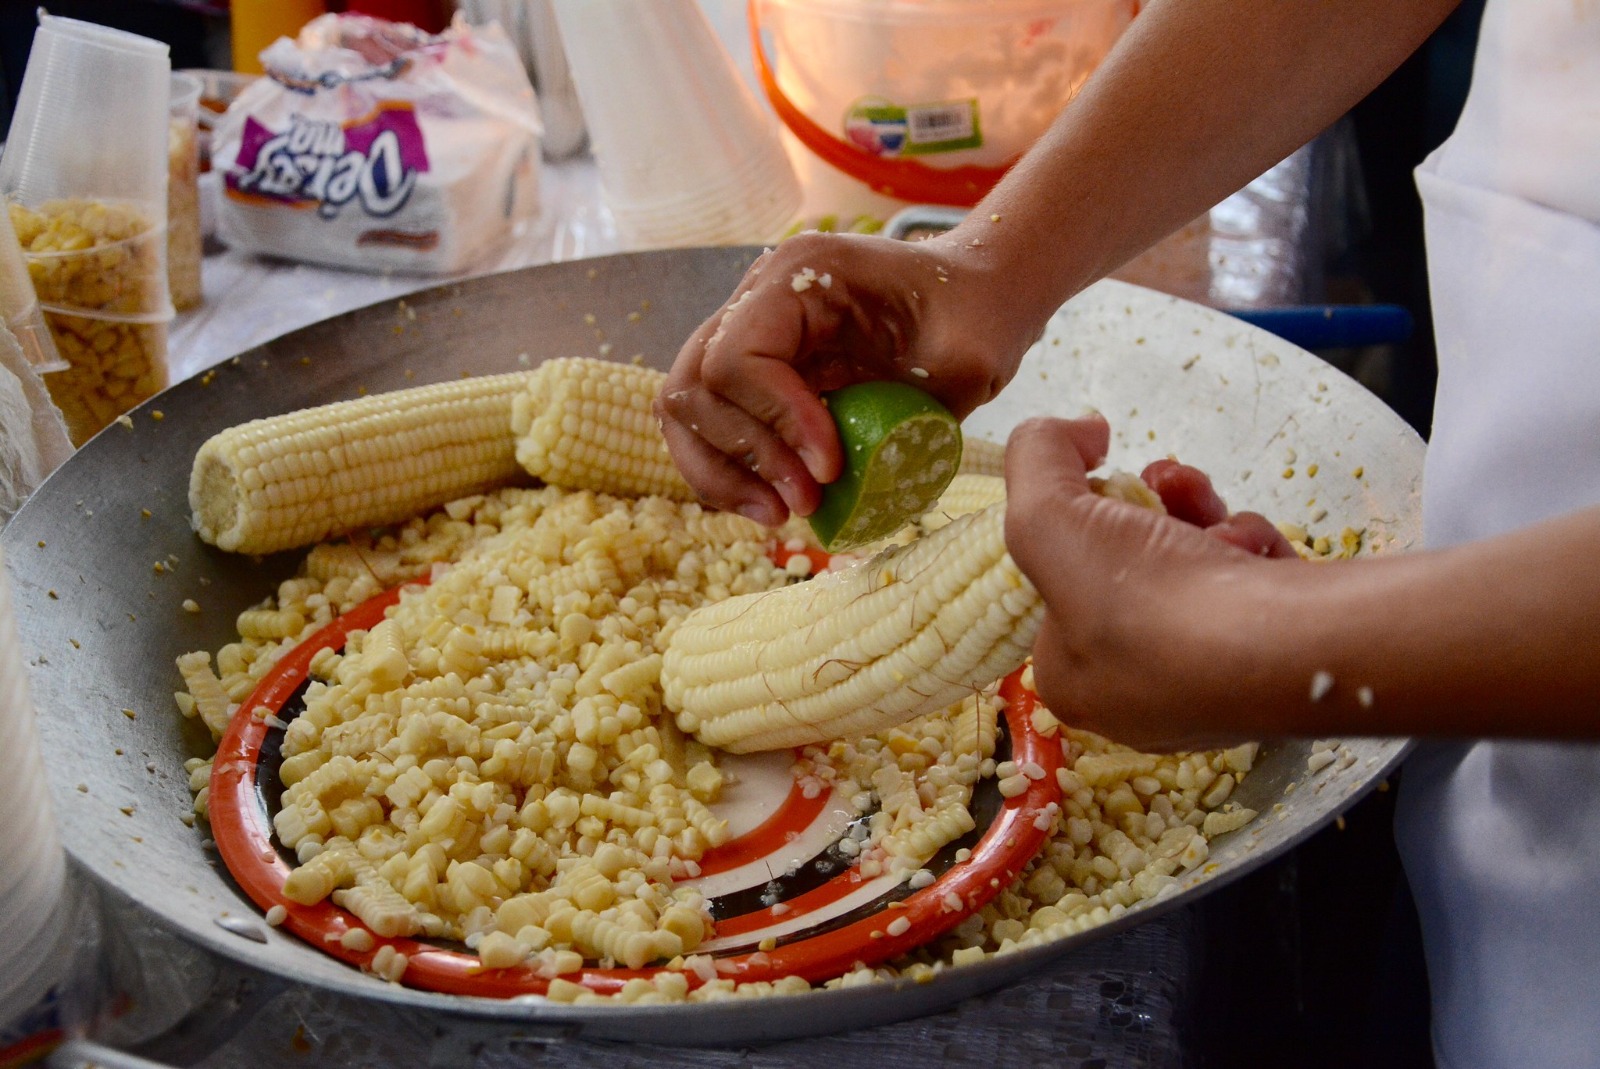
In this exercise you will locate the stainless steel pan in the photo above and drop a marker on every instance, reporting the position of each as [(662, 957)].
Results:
[(102, 626)]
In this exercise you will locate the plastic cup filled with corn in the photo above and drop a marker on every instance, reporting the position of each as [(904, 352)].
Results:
[(84, 175), (99, 268), (184, 236)]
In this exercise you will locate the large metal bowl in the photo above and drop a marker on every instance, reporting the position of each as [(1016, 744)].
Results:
[(102, 624)]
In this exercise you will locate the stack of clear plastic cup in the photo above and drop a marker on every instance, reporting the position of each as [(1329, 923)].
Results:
[(85, 175), (34, 909), (686, 154)]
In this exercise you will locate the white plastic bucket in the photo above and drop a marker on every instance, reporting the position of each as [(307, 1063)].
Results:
[(891, 102), (35, 937), (686, 153)]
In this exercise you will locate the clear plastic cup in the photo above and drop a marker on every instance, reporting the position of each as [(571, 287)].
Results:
[(91, 116), (102, 285), (184, 238), (673, 126), (218, 90), (85, 173), (19, 304)]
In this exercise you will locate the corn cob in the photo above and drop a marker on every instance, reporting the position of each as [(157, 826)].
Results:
[(909, 632), (979, 456), (290, 480), (586, 424), (906, 633), (966, 493)]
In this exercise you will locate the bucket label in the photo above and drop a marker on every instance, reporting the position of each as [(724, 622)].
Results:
[(880, 128)]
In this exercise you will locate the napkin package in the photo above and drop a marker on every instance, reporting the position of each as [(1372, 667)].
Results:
[(375, 146)]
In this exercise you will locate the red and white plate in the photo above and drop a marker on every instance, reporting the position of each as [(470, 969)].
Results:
[(782, 876)]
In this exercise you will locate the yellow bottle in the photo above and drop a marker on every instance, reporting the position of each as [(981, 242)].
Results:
[(258, 23)]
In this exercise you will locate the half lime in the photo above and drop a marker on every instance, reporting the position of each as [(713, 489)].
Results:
[(901, 449)]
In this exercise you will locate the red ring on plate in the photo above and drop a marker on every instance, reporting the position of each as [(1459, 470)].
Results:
[(794, 814), (243, 835)]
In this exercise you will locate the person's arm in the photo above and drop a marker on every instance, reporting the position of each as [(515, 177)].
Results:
[(1198, 98), (1162, 636)]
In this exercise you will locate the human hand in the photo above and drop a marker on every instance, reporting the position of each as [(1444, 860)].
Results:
[(1140, 636), (740, 407)]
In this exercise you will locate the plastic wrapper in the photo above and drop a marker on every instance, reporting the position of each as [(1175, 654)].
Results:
[(1257, 248), (158, 982), (375, 146)]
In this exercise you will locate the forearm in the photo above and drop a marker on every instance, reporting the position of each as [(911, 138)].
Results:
[(1198, 98), (1498, 638)]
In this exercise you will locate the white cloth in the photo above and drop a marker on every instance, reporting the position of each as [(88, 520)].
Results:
[(1531, 124), (1501, 841)]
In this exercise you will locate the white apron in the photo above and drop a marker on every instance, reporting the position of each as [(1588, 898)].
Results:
[(1501, 841)]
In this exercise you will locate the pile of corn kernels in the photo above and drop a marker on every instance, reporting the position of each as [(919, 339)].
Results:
[(492, 763)]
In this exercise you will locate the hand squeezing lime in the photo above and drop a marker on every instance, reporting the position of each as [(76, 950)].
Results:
[(901, 449)]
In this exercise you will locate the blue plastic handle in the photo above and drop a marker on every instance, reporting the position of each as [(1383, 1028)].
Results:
[(1334, 326)]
